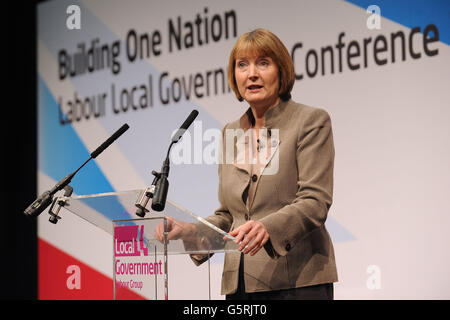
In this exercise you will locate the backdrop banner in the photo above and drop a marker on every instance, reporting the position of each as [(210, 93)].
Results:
[(379, 68)]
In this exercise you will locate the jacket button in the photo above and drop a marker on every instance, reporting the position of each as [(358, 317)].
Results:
[(288, 247), (254, 178)]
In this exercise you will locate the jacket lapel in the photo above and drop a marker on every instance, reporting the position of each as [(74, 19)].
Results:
[(266, 161)]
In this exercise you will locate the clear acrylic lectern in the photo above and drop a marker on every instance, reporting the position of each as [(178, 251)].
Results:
[(144, 261)]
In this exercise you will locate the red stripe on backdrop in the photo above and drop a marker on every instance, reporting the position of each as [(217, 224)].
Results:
[(62, 277)]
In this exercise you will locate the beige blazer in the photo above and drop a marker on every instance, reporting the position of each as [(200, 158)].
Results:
[(291, 193)]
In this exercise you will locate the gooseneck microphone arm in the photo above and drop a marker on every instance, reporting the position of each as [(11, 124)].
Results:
[(160, 186), (46, 198)]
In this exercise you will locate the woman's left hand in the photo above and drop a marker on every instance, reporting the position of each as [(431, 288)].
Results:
[(251, 237)]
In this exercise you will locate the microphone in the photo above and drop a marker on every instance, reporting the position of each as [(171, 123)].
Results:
[(44, 200), (110, 140), (184, 126), (162, 185), (161, 188)]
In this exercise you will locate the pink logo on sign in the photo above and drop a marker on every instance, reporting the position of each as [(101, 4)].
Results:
[(129, 241)]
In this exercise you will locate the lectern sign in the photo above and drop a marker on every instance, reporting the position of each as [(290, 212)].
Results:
[(129, 241), (137, 267)]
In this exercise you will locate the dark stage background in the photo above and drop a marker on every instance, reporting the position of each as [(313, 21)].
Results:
[(19, 136)]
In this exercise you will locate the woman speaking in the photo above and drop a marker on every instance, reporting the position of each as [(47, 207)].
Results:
[(276, 190)]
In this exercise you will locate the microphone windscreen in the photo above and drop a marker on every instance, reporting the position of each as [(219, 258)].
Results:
[(110, 140), (189, 120), (185, 125)]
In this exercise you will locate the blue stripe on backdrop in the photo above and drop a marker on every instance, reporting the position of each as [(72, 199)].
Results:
[(414, 13), (61, 151)]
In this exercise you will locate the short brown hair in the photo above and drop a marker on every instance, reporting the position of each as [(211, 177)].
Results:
[(264, 42)]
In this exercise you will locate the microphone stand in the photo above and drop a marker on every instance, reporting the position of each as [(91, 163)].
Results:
[(62, 185), (144, 197), (157, 191), (46, 198), (160, 185), (61, 203)]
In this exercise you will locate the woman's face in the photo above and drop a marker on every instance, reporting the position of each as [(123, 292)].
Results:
[(257, 79)]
